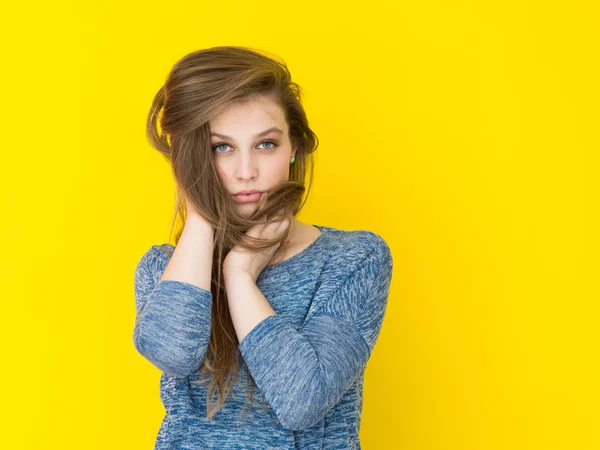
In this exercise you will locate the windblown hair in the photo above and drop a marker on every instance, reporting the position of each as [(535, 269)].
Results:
[(199, 86)]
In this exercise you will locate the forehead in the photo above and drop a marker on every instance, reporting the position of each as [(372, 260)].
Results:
[(249, 113)]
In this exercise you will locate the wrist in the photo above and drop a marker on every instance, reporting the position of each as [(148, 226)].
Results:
[(198, 225), (232, 275)]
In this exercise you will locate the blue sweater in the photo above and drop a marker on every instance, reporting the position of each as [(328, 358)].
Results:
[(307, 361)]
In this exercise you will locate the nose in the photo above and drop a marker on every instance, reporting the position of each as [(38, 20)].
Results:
[(246, 168)]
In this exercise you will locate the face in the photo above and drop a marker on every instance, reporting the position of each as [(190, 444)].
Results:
[(252, 149)]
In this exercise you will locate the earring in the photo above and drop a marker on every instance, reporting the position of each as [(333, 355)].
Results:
[(292, 160)]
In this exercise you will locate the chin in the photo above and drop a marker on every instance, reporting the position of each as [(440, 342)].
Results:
[(246, 209)]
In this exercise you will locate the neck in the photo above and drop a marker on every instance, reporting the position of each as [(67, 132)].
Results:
[(293, 227)]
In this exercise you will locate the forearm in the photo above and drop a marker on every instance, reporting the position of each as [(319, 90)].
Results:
[(173, 328), (191, 261), (247, 304), (301, 374)]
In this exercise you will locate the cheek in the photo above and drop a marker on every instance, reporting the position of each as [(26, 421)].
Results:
[(223, 173), (277, 167)]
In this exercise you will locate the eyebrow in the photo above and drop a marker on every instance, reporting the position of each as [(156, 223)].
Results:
[(262, 133)]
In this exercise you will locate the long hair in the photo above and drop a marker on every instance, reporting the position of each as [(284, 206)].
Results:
[(198, 87)]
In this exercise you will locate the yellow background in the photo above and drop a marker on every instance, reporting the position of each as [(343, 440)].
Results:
[(465, 133)]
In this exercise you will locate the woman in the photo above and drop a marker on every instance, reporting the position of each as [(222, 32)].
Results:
[(298, 306)]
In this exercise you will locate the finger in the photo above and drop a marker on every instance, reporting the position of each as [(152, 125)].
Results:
[(284, 224), (255, 231), (277, 227)]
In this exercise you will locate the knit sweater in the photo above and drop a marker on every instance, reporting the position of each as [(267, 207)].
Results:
[(307, 361)]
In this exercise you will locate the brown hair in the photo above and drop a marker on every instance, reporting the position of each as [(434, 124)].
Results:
[(198, 87)]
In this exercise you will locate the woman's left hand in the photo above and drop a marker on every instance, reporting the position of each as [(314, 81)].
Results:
[(243, 261)]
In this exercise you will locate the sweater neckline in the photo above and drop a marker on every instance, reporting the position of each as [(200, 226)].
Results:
[(305, 252)]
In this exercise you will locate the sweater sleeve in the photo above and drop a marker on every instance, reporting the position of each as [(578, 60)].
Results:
[(173, 318), (304, 373)]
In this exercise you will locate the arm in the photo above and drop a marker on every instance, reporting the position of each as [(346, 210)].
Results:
[(173, 314), (304, 373)]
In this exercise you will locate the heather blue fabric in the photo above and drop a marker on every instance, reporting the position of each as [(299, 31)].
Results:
[(307, 361)]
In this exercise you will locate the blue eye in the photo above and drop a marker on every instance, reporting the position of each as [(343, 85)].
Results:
[(274, 145), (217, 146), (269, 142)]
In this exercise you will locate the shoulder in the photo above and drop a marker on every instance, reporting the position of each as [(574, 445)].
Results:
[(354, 280), (348, 248), (347, 252)]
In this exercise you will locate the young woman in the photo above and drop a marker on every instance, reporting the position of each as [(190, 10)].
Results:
[(299, 307)]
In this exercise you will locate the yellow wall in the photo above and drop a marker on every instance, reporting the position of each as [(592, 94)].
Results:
[(465, 133)]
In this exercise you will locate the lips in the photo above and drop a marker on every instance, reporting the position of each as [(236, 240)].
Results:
[(248, 191), (248, 198)]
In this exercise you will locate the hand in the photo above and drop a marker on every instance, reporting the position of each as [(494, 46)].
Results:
[(243, 261)]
